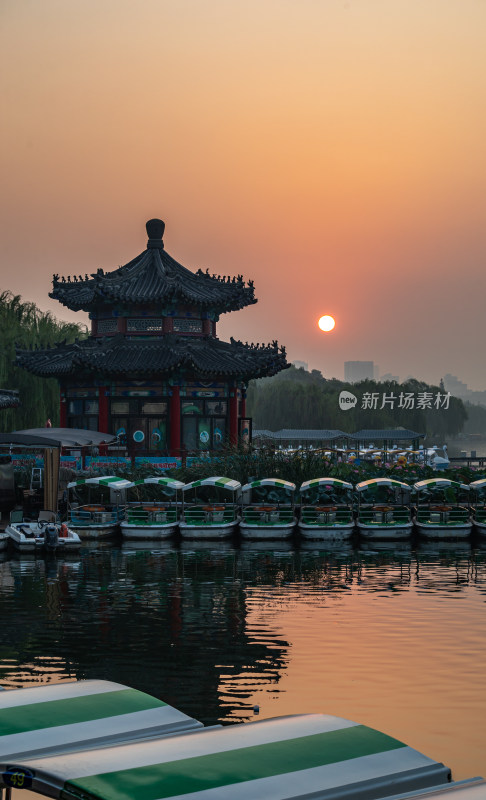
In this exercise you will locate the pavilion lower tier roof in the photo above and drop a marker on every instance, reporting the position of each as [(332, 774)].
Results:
[(9, 398), (120, 355)]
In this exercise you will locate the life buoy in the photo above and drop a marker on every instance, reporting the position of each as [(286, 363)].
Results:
[(64, 530)]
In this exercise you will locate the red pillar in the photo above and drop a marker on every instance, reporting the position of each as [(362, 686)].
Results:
[(243, 403), (175, 421), (103, 421), (233, 415), (62, 411)]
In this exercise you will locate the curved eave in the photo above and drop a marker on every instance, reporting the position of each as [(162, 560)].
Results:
[(153, 276), (119, 356)]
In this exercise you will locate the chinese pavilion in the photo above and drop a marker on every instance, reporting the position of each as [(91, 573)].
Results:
[(153, 370)]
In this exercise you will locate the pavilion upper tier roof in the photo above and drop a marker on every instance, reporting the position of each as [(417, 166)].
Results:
[(118, 356), (153, 276)]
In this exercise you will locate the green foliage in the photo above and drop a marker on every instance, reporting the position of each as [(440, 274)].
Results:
[(298, 399), (245, 465), (24, 325)]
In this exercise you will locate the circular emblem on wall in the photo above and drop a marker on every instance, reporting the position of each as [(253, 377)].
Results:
[(156, 435), (204, 437), (138, 436), (218, 436)]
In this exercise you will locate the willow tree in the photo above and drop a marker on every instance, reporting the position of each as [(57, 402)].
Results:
[(25, 325)]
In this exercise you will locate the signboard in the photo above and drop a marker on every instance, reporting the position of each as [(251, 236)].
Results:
[(158, 462), (71, 462), (27, 460), (101, 462)]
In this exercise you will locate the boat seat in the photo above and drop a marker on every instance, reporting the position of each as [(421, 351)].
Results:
[(46, 516), (27, 531)]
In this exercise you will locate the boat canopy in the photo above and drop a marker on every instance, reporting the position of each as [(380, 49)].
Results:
[(170, 483), (331, 482), (80, 715), (439, 483), (270, 482), (102, 480), (223, 483), (291, 758), (478, 485), (387, 482)]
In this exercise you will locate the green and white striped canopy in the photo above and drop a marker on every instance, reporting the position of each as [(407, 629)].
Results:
[(277, 759), (170, 483), (103, 480), (332, 482), (439, 483), (392, 484), (478, 485), (270, 482), (223, 483), (61, 717)]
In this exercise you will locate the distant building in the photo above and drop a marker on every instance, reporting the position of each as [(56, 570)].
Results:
[(456, 387), (389, 377), (301, 365), (355, 371)]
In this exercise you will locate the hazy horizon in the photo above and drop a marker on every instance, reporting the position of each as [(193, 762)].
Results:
[(332, 152)]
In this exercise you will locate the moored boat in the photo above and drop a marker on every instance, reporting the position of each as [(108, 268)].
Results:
[(384, 509), (442, 509), (478, 505), (269, 512), (155, 518), (42, 535), (99, 518), (326, 510), (209, 508)]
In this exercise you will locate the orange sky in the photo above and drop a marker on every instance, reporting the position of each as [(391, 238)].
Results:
[(332, 151)]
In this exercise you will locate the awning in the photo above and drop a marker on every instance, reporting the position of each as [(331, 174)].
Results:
[(302, 756), (388, 482), (331, 482), (223, 483), (62, 717), (270, 482)]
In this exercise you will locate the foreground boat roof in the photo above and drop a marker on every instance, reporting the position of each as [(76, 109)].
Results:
[(278, 759), (82, 715)]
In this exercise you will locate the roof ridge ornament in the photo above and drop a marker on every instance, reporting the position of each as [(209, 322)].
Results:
[(155, 231)]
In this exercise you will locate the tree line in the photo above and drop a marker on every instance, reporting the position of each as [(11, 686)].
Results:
[(22, 324), (296, 398)]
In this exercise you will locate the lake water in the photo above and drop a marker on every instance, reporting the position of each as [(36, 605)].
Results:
[(391, 638)]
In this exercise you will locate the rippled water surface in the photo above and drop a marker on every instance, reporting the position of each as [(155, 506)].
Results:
[(392, 638)]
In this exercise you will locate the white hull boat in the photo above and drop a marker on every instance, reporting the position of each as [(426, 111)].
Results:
[(432, 530), (326, 513), (207, 531), (30, 537), (213, 512), (267, 530), (383, 532), (3, 541)]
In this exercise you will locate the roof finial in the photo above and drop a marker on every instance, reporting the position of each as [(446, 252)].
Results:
[(155, 231)]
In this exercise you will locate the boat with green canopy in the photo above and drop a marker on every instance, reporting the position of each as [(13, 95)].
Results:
[(287, 758), (384, 510), (156, 513), (210, 508), (442, 510), (326, 510), (95, 507), (478, 504), (268, 509)]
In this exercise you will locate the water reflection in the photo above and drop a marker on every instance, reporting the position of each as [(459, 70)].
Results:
[(214, 630)]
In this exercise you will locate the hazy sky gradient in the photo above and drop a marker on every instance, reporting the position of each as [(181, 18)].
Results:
[(332, 151)]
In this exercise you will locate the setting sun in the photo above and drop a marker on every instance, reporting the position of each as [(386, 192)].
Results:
[(326, 323)]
